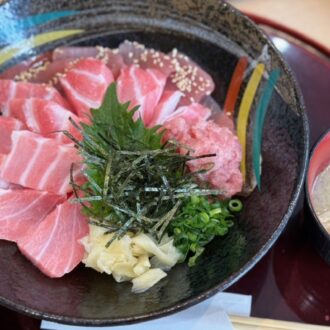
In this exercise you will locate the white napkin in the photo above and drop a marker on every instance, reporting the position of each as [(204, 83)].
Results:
[(210, 314)]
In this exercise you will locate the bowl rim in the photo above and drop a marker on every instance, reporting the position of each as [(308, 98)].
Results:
[(307, 194), (194, 299)]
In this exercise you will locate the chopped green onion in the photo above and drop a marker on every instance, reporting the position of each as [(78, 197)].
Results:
[(235, 205)]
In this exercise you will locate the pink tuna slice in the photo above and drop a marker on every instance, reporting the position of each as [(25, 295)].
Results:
[(166, 106), (85, 84), (23, 209), (7, 126), (17, 71), (192, 114), (189, 78), (72, 53), (10, 90), (218, 116), (44, 117), (110, 57), (7, 185), (145, 58), (141, 87), (51, 72), (39, 163), (54, 245)]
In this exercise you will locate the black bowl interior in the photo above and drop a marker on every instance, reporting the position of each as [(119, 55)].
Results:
[(214, 35)]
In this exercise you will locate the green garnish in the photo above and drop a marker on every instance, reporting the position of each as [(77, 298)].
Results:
[(136, 182), (197, 223)]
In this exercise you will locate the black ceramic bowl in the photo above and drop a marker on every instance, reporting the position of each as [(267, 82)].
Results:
[(319, 160), (214, 35)]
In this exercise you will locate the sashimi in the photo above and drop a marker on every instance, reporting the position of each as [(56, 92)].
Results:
[(54, 245), (141, 87), (24, 71), (110, 57), (189, 78), (192, 113), (44, 117), (39, 163), (145, 58), (166, 106), (71, 53), (85, 84), (22, 210), (10, 90), (218, 116), (7, 185), (183, 74), (7, 126), (51, 71)]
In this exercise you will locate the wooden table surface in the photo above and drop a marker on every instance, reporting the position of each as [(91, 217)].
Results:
[(309, 17)]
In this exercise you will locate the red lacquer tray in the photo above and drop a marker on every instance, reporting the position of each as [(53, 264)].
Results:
[(291, 282)]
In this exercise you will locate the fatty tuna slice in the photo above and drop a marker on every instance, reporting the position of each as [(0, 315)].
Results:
[(10, 89), (141, 87), (166, 106), (145, 58), (72, 53), (44, 117), (7, 126), (192, 114), (54, 245), (189, 78), (85, 84), (22, 210), (51, 73), (110, 57), (7, 185), (20, 70), (40, 163)]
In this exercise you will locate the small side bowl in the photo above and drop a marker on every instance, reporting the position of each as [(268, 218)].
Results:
[(319, 160)]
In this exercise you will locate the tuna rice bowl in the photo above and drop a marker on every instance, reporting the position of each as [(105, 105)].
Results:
[(114, 156)]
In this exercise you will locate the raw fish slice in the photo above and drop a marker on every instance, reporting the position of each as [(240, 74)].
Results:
[(54, 245), (114, 61), (166, 106), (7, 185), (24, 70), (10, 89), (4, 184), (110, 57), (44, 117), (85, 84), (145, 58), (218, 116), (7, 126), (39, 163), (51, 72), (192, 114), (184, 74), (189, 78), (71, 53), (141, 87), (22, 210)]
